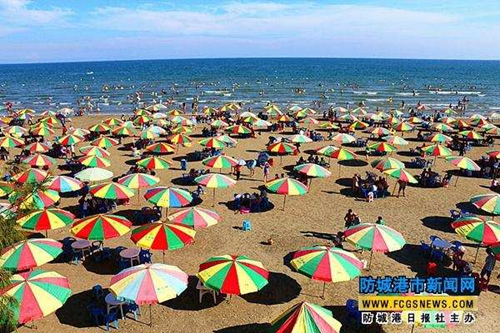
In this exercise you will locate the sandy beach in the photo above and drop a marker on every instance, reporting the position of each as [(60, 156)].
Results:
[(308, 220)]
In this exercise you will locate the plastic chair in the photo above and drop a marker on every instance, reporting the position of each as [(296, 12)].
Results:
[(111, 317), (353, 312), (204, 290), (247, 226), (96, 313), (134, 308), (425, 247), (431, 268), (76, 256), (145, 257)]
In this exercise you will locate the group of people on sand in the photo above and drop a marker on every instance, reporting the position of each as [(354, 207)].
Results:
[(370, 187)]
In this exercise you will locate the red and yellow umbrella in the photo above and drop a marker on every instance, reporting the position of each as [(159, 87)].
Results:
[(161, 148), (105, 142), (101, 227), (95, 161), (39, 160), (220, 162), (31, 176), (195, 217), (154, 162), (29, 254), (286, 186), (112, 191), (46, 219), (306, 317), (37, 147)]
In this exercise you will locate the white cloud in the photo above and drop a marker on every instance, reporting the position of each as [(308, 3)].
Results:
[(19, 13)]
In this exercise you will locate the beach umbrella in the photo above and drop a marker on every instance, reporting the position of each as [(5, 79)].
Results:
[(16, 131), (327, 150), (105, 142), (286, 186), (161, 115), (181, 121), (154, 162), (442, 127), (374, 238), (227, 139), (49, 120), (395, 140), (182, 129), (42, 131), (488, 202), (31, 176), (284, 118), (174, 112), (162, 236), (94, 151), (281, 148), (471, 135), (99, 128), (46, 219), (10, 142), (342, 154), (437, 150), (382, 147), (414, 120), (39, 160), (168, 197), (359, 112), (463, 163), (70, 139), (149, 284), (195, 218), (493, 130), (329, 126), (149, 135), (310, 121), (29, 254), (212, 143), (48, 113), (80, 132), (124, 131), (342, 138), (180, 139), (95, 161), (101, 227), (348, 117), (93, 175), (478, 230), (386, 163), (448, 120), (208, 110), (111, 191), (248, 114), (449, 111), (214, 181), (64, 184), (138, 180), (272, 110), (160, 148), (37, 293), (218, 123), (155, 107), (233, 274), (358, 125), (312, 170), (306, 317), (495, 154), (239, 129), (261, 123), (142, 112), (300, 138), (327, 264), (220, 162), (403, 127), (461, 124), (37, 147), (112, 122), (38, 199), (402, 175), (6, 189), (439, 137), (381, 131)]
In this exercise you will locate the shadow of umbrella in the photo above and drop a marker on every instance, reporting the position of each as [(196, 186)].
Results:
[(280, 289), (247, 328)]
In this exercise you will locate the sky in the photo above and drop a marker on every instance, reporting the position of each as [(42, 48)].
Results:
[(94, 30)]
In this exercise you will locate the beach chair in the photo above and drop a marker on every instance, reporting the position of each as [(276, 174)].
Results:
[(353, 312), (247, 226), (96, 313), (133, 308), (455, 214), (111, 317), (425, 247), (145, 257), (204, 290)]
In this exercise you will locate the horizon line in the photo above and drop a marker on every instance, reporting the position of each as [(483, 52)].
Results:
[(236, 58)]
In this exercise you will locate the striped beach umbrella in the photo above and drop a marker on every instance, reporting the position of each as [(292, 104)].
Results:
[(381, 131), (220, 162), (101, 227), (284, 118), (382, 147), (99, 128), (402, 175), (111, 191), (42, 131), (124, 131), (80, 132), (148, 135), (195, 217), (439, 137), (38, 199), (342, 154), (65, 184), (70, 139), (112, 122), (138, 180), (299, 138), (471, 135), (153, 162), (395, 140), (478, 230), (414, 120), (239, 129), (488, 202), (46, 219), (403, 127), (161, 148), (16, 131), (310, 121), (461, 124), (214, 181), (162, 236), (272, 110), (31, 176), (306, 317), (327, 150), (95, 161), (182, 121), (464, 163), (281, 148), (39, 160), (286, 186), (37, 147), (493, 131), (105, 142), (10, 142), (212, 143), (94, 175), (233, 274), (437, 150), (182, 129), (168, 197), (442, 127), (29, 254), (374, 238), (94, 151), (358, 125), (49, 120), (142, 112), (209, 110), (386, 163), (227, 139), (37, 293), (342, 138), (218, 123), (329, 126), (180, 139), (312, 170), (6, 189)]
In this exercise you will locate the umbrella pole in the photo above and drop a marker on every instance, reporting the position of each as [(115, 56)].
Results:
[(370, 262), (46, 234), (284, 201), (213, 198), (394, 190), (339, 169), (324, 287), (150, 316), (477, 252), (163, 257), (457, 181)]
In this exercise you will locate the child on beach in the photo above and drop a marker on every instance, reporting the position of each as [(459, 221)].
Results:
[(266, 169)]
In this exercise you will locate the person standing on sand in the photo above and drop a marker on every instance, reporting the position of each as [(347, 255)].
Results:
[(489, 264), (402, 186), (266, 169)]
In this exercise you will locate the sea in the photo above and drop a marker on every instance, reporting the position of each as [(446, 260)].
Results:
[(307, 82)]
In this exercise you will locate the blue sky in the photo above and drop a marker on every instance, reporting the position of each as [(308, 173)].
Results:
[(86, 30)]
